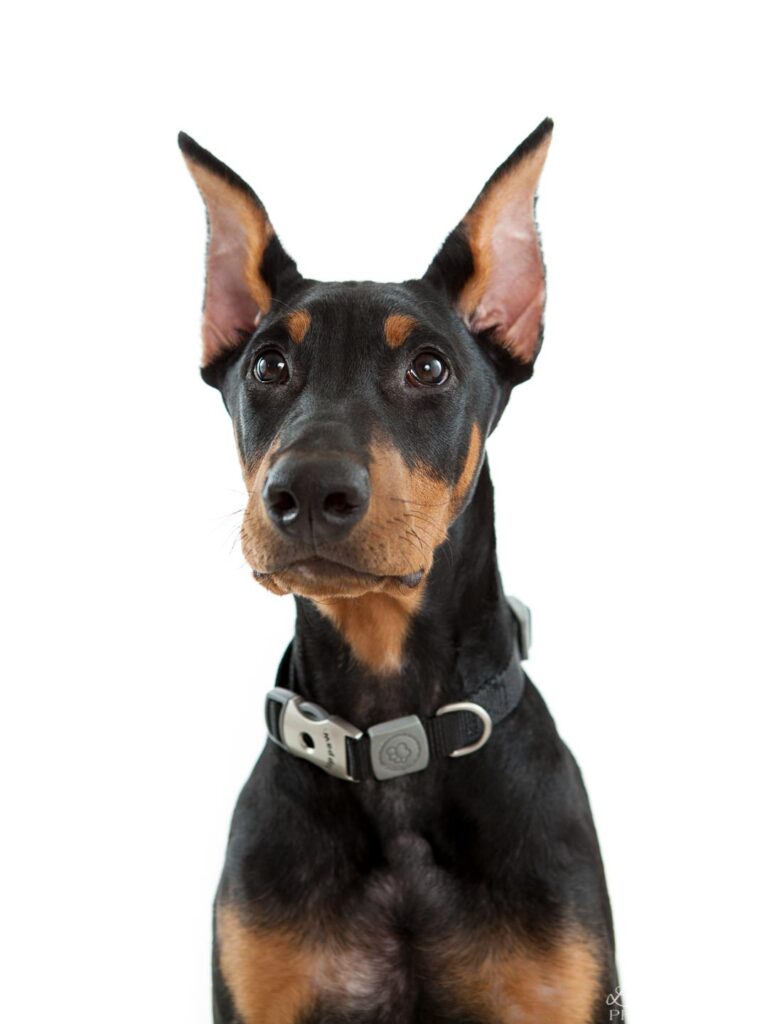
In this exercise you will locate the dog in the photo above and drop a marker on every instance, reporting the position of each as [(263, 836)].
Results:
[(415, 843)]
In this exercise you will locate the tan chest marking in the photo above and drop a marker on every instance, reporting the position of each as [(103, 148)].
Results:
[(274, 975), (269, 973), (522, 985), (375, 626)]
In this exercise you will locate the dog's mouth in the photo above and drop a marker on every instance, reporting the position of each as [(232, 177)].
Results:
[(323, 578)]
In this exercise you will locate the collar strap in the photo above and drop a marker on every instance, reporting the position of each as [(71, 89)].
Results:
[(403, 745)]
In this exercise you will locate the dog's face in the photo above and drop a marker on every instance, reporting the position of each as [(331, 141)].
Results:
[(361, 410)]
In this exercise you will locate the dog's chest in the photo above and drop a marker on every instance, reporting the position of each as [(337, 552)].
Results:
[(361, 959), (389, 933), (411, 944)]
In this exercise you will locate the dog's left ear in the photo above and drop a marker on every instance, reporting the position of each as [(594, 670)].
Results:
[(247, 266), (490, 266)]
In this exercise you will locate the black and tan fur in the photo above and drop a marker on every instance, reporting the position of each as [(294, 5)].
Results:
[(472, 892)]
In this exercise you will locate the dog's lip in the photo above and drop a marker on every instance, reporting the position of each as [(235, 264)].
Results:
[(316, 567)]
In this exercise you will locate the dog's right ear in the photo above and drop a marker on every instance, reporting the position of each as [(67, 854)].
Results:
[(246, 265)]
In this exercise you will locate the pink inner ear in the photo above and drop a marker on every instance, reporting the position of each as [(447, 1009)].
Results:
[(229, 304), (508, 258)]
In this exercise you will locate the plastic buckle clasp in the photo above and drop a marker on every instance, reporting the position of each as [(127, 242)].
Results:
[(309, 732)]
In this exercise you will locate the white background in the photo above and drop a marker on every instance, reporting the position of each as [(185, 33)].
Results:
[(138, 649)]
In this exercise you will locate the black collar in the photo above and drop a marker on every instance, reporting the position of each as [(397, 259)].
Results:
[(403, 745)]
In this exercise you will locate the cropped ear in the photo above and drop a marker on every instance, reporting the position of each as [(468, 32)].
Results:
[(491, 267), (246, 264)]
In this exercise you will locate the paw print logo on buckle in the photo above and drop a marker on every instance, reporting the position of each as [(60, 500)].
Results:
[(401, 752), (398, 747)]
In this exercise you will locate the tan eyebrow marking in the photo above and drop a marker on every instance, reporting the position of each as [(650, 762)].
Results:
[(298, 324), (397, 327)]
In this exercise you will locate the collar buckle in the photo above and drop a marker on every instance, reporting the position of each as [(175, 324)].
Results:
[(309, 732)]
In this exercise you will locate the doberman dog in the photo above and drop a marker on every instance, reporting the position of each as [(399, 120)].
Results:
[(415, 843)]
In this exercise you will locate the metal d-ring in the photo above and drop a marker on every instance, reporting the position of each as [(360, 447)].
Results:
[(484, 717)]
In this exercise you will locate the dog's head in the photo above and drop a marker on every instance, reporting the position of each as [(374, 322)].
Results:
[(360, 409)]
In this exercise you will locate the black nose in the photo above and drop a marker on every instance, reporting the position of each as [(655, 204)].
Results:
[(325, 494)]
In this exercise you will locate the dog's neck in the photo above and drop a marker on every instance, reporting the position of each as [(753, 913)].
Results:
[(437, 646)]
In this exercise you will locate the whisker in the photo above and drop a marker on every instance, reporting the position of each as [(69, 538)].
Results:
[(226, 515), (416, 541), (424, 531), (421, 516), (421, 504)]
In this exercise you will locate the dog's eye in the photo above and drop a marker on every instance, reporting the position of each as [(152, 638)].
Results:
[(271, 367), (427, 368)]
